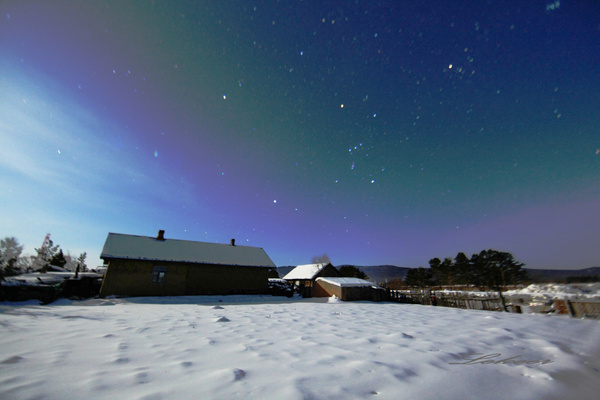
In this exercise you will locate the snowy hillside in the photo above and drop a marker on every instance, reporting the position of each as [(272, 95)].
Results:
[(558, 291), (196, 347)]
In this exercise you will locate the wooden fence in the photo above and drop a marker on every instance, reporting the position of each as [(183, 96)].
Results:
[(485, 301), (491, 301), (578, 309)]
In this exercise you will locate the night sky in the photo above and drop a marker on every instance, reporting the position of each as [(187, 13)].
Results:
[(385, 132)]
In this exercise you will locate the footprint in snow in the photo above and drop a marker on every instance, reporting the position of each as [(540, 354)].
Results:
[(141, 378), (152, 396), (13, 360), (238, 374)]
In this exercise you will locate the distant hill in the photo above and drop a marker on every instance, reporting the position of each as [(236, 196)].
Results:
[(382, 273), (563, 275), (283, 271), (376, 273), (386, 273)]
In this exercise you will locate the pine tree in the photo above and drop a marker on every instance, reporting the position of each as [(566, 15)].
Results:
[(419, 277), (463, 270), (497, 270), (434, 265), (442, 271), (10, 257), (58, 259)]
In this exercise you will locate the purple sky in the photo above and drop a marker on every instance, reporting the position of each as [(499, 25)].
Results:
[(378, 134)]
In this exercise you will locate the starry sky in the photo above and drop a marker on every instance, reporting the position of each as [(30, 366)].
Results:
[(386, 132)]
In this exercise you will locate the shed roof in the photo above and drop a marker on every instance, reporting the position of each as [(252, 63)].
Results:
[(132, 247), (308, 271), (348, 282)]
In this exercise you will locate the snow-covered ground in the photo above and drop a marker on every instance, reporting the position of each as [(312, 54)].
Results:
[(559, 291), (550, 291), (273, 348)]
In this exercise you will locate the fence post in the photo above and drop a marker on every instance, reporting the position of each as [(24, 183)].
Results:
[(570, 308)]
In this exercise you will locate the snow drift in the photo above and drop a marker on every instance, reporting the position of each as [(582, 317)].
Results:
[(190, 348)]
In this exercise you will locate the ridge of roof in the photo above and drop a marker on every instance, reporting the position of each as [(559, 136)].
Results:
[(137, 247), (306, 271)]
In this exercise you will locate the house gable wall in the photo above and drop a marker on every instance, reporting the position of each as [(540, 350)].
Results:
[(134, 278), (326, 289), (306, 286), (348, 293)]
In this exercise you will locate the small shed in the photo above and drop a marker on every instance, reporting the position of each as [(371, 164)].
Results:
[(304, 276), (348, 289), (156, 266)]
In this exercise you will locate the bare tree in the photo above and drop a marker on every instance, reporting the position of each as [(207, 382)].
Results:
[(81, 261), (322, 259)]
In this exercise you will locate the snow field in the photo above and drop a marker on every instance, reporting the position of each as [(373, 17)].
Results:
[(173, 348), (559, 291)]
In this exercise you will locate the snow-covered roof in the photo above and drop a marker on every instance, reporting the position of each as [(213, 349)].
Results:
[(278, 280), (308, 271), (348, 282), (46, 278), (121, 246), (56, 268), (558, 291)]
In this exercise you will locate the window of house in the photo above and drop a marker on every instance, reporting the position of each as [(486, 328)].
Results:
[(159, 275)]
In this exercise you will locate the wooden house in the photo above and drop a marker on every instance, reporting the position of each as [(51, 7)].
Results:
[(348, 289), (304, 276), (156, 266)]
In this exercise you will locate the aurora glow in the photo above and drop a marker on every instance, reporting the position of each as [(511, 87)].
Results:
[(386, 133)]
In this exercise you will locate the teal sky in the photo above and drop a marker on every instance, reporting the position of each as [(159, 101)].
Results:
[(386, 133)]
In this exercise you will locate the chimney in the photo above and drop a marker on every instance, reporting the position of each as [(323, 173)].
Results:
[(233, 242), (161, 235)]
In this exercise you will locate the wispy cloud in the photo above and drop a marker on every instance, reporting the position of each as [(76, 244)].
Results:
[(63, 165)]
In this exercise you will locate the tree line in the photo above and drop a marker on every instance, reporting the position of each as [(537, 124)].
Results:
[(13, 262), (490, 269), (349, 271)]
